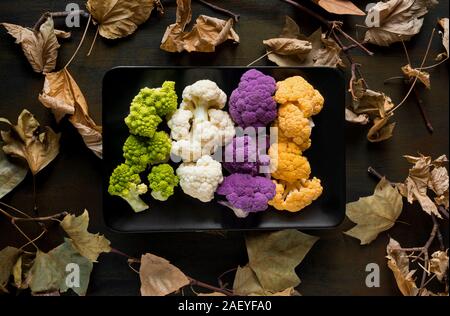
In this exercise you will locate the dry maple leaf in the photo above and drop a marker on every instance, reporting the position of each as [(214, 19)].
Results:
[(444, 24), (28, 140), (375, 213), (291, 48), (120, 18), (8, 257), (439, 264), (159, 277), (398, 262), (425, 174), (88, 245), (411, 73), (340, 7), (395, 20), (381, 129), (206, 34), (62, 95), (40, 47)]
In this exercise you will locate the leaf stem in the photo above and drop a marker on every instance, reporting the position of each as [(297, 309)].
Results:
[(221, 10), (93, 41), (259, 58), (81, 42), (195, 282), (46, 15)]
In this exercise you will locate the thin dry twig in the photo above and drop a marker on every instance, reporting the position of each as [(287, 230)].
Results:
[(221, 10)]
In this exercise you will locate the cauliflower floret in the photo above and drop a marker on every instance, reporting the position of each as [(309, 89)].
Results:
[(180, 124), (287, 163), (224, 124), (293, 197), (298, 91), (293, 124), (200, 179), (201, 96)]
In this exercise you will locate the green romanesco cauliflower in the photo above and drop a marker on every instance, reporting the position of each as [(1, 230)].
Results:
[(159, 148), (149, 107), (126, 183), (162, 181)]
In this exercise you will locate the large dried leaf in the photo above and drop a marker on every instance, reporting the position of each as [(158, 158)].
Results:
[(375, 213), (425, 174), (439, 264), (362, 119), (373, 103), (411, 73), (11, 174), (88, 245), (398, 262), (273, 257), (159, 277), (48, 272), (8, 258), (381, 129), (323, 51), (206, 34), (444, 24), (395, 20), (120, 18), (340, 7), (40, 47), (28, 140), (63, 96)]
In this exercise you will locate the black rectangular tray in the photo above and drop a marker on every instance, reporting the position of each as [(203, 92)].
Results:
[(183, 213)]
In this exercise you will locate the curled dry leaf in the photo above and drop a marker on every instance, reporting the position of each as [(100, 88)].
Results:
[(444, 24), (411, 73), (381, 129), (398, 262), (8, 258), (340, 7), (120, 18), (274, 256), (292, 48), (373, 103), (424, 175), (362, 119), (28, 140), (439, 264), (375, 213), (62, 95), (88, 245), (11, 174), (40, 47), (159, 277), (206, 34), (395, 20)]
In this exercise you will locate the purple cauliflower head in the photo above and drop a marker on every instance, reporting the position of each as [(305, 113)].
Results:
[(242, 155), (252, 103), (246, 194)]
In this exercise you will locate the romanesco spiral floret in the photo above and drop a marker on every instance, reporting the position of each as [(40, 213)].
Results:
[(126, 183), (149, 106), (162, 180), (135, 152), (159, 148)]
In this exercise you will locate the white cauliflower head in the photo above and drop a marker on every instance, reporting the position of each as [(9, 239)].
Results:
[(180, 124), (200, 179)]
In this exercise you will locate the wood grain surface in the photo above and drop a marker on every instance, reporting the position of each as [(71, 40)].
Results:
[(336, 265)]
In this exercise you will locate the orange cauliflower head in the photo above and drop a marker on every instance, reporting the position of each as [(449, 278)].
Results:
[(298, 91), (287, 162), (282, 138), (294, 197), (293, 124)]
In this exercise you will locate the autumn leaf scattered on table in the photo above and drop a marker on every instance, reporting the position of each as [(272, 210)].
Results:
[(398, 262), (63, 96), (352, 117), (422, 76), (11, 174), (48, 272), (159, 277), (444, 25), (207, 32), (375, 213), (40, 47), (426, 174), (8, 257), (120, 18), (291, 48), (395, 20), (88, 245), (273, 257), (340, 7), (439, 264), (28, 140)]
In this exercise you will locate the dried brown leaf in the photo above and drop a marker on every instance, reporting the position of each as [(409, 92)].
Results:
[(288, 46), (375, 213), (340, 7), (411, 73), (120, 18), (362, 119), (444, 24), (11, 174), (8, 258), (395, 20), (439, 264), (62, 95), (366, 101), (398, 262), (380, 130), (40, 47), (159, 277), (28, 140)]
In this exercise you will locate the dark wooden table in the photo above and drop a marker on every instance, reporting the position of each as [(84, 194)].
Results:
[(336, 265)]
